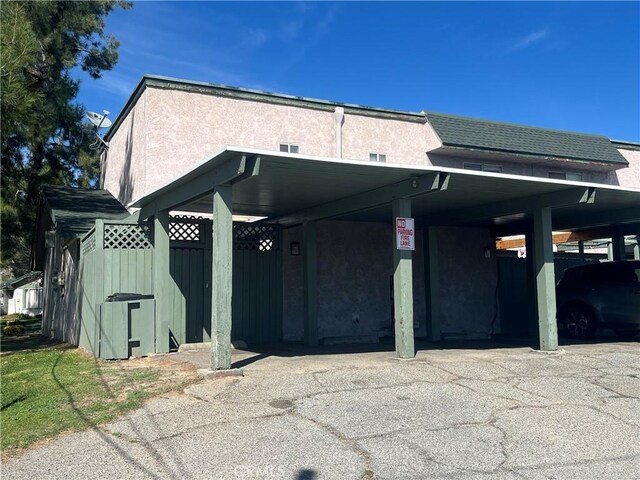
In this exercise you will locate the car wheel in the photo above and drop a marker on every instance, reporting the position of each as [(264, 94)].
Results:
[(579, 323)]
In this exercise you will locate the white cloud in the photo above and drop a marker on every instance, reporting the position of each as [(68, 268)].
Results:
[(531, 39)]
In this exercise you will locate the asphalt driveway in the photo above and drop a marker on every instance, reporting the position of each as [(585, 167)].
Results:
[(496, 413)]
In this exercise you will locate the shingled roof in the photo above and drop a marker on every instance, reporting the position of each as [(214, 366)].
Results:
[(75, 210), (471, 133)]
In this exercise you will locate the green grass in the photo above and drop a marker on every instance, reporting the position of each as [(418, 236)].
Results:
[(51, 389)]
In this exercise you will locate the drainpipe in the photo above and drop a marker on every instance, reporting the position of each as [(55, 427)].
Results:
[(339, 115)]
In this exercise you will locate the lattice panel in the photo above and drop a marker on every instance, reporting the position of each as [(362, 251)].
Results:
[(184, 232), (89, 244), (255, 237), (135, 237)]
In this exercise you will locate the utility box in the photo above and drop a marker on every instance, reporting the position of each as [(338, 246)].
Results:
[(127, 326)]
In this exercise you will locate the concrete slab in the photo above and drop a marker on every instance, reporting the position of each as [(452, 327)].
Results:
[(499, 413)]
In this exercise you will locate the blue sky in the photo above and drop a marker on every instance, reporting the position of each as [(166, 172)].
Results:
[(571, 66)]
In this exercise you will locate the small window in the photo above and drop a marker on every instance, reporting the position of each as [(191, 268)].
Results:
[(492, 168), (472, 166), (377, 157), (289, 148), (574, 177), (482, 167)]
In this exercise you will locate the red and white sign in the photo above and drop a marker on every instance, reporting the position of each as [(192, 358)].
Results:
[(405, 234)]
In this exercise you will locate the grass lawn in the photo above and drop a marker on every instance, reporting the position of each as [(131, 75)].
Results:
[(52, 388)]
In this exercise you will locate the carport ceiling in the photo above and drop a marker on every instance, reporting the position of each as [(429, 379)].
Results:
[(288, 186)]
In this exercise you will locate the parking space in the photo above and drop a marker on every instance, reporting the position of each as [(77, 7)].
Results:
[(448, 413)]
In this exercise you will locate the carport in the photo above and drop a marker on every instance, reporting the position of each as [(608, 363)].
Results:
[(291, 189)]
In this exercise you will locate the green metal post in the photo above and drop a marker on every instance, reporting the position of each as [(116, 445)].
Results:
[(532, 310), (403, 287), (545, 279), (162, 281), (222, 278), (310, 273), (618, 248), (581, 250), (431, 282)]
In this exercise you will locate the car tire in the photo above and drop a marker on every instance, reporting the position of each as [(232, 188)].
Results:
[(579, 322)]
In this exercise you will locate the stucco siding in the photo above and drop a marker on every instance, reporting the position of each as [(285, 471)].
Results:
[(629, 177), (402, 142), (355, 263), (186, 128), (124, 169), (468, 281)]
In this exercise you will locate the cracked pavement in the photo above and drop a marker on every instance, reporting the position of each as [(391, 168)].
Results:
[(508, 413)]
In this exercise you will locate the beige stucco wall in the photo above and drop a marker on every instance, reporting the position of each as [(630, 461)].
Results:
[(355, 263), (401, 141), (186, 128), (124, 168), (628, 177), (169, 131)]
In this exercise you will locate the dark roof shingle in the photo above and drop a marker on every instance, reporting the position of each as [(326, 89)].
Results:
[(74, 210), (487, 135)]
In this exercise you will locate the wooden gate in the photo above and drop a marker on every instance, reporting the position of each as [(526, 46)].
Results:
[(257, 281)]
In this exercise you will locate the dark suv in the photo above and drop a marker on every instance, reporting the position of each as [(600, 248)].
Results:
[(600, 295)]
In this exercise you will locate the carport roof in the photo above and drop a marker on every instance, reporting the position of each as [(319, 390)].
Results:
[(292, 188)]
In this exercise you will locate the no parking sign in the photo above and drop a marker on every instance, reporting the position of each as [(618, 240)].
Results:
[(405, 234)]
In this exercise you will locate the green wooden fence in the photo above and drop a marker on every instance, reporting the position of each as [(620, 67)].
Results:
[(117, 257)]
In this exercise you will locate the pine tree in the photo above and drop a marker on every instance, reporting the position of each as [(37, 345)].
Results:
[(44, 139)]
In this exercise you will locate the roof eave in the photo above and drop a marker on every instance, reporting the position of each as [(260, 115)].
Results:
[(453, 148)]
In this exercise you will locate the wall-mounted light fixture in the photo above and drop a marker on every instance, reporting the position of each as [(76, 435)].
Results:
[(487, 252), (294, 248)]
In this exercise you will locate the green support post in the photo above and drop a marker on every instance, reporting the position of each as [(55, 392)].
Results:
[(532, 311), (162, 281), (581, 250), (545, 279), (403, 287), (617, 247), (310, 273), (431, 282), (222, 278)]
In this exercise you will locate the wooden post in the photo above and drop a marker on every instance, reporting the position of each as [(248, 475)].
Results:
[(545, 279), (617, 247), (532, 310), (310, 273), (431, 282), (222, 278), (403, 287), (162, 280)]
